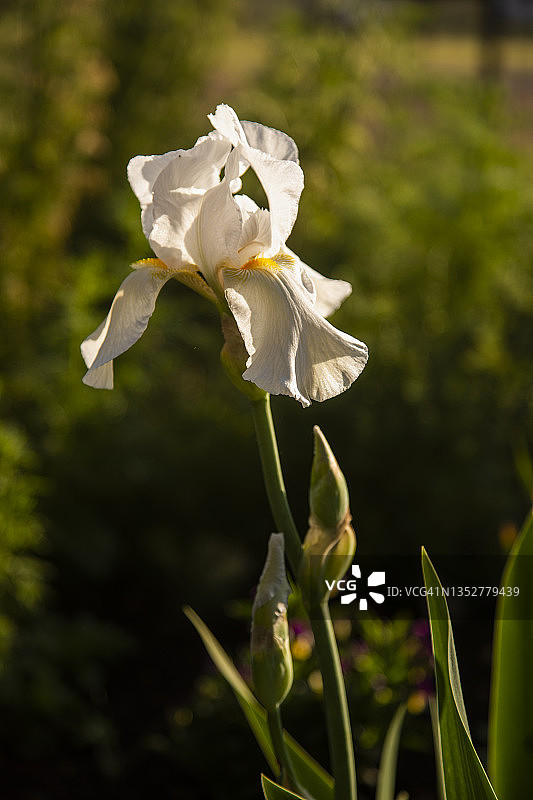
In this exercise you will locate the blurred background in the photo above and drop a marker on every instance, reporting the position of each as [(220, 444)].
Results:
[(414, 124)]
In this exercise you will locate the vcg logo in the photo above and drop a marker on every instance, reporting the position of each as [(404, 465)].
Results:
[(349, 585)]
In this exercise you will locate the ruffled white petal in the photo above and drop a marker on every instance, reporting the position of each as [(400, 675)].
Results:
[(246, 205), (198, 167), (175, 212), (255, 236), (281, 179), (269, 140), (226, 122), (330, 293), (143, 171), (100, 377), (214, 238), (261, 137), (125, 323), (292, 349), (283, 182)]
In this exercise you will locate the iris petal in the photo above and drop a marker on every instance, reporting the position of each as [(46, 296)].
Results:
[(198, 167), (269, 140), (125, 323), (175, 213), (281, 179), (283, 183), (330, 292), (214, 238), (292, 349)]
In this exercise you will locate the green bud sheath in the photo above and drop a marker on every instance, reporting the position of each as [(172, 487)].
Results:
[(340, 556), (270, 649)]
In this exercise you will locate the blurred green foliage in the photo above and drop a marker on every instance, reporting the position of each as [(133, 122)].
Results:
[(127, 504), (21, 572)]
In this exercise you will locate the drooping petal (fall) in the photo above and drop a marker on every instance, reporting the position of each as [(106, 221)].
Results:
[(125, 323), (100, 377), (292, 349), (330, 292)]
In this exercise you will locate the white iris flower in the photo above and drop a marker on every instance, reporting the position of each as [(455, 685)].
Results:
[(226, 247)]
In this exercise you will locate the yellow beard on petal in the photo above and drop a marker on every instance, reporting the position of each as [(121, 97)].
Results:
[(261, 263), (189, 276), (268, 266), (277, 262)]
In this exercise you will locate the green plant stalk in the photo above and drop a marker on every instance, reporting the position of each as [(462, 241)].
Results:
[(274, 483), (275, 728), (337, 714), (336, 704)]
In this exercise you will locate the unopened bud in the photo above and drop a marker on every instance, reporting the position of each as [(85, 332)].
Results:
[(270, 649), (234, 357), (328, 493), (330, 543)]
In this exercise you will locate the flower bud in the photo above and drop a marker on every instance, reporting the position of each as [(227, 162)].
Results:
[(233, 358), (270, 650), (328, 494), (330, 543)]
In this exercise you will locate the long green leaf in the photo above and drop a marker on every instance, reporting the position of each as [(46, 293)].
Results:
[(464, 776), (389, 757), (434, 713), (273, 791), (511, 713), (317, 782)]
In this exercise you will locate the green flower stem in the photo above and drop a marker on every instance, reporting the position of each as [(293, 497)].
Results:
[(275, 728), (275, 486), (337, 715), (338, 719)]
